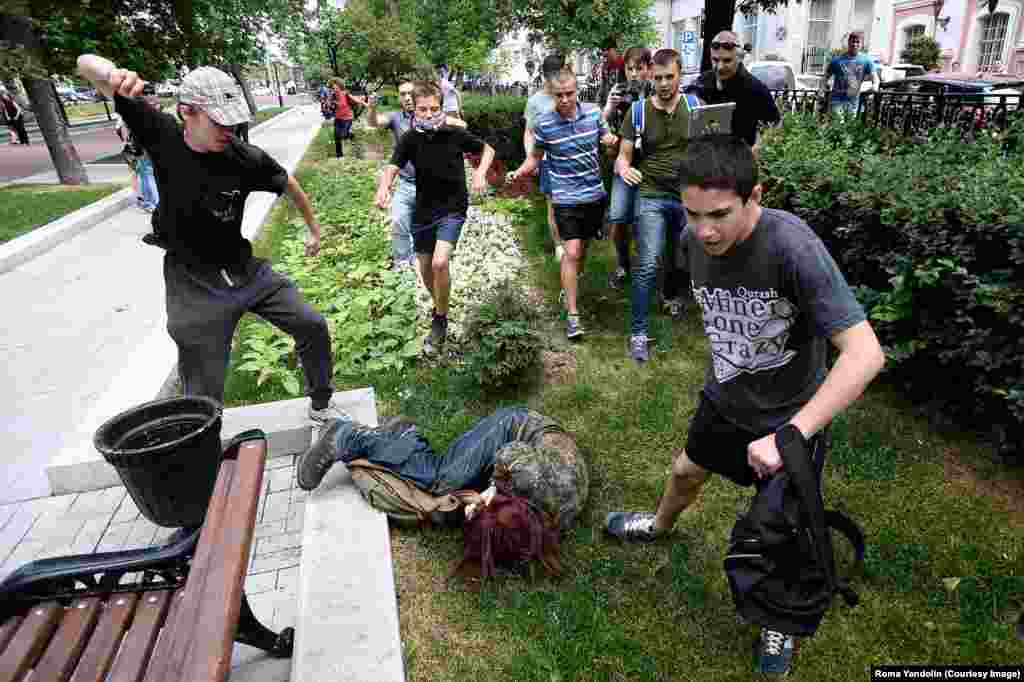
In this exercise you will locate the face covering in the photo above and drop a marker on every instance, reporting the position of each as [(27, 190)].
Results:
[(429, 125)]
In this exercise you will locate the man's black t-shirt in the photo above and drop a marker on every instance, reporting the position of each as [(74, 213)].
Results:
[(754, 102), (201, 195), (440, 171)]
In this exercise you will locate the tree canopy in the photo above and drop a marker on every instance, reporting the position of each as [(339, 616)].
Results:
[(581, 24)]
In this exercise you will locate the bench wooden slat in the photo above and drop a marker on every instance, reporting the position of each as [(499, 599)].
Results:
[(201, 634), (178, 633), (29, 641), (7, 630), (141, 636), (99, 652), (210, 657), (58, 662)]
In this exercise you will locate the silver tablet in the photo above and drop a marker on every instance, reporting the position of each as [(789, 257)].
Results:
[(708, 119)]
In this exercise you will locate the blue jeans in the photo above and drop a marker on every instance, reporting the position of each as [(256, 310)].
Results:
[(403, 203), (848, 106), (342, 129), (656, 218), (147, 182), (622, 209)]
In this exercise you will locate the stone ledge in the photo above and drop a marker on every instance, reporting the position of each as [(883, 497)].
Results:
[(40, 240), (347, 627)]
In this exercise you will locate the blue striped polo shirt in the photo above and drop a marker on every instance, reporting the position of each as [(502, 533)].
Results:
[(572, 147)]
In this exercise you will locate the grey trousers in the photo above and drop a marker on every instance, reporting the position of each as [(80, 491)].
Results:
[(203, 309)]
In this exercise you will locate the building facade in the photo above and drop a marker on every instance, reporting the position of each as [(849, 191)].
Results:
[(802, 33), (972, 39)]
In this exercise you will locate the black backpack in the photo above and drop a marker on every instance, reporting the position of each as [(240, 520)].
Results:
[(780, 565)]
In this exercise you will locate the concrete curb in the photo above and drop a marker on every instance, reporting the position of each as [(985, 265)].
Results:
[(42, 239)]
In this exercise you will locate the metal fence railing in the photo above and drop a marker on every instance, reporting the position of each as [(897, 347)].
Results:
[(913, 113)]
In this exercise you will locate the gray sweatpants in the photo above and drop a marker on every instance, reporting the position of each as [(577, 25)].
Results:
[(203, 309)]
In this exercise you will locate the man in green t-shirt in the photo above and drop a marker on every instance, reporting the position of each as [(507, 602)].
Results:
[(650, 162)]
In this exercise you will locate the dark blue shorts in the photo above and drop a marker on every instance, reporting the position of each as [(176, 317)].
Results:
[(446, 228)]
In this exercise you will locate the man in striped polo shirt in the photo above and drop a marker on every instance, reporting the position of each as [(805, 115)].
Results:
[(571, 135)]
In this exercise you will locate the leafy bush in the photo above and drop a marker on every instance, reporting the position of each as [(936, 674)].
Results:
[(923, 51), (501, 339), (499, 121), (932, 236)]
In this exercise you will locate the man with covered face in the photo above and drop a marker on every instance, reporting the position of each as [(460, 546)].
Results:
[(442, 202), (403, 200), (729, 81)]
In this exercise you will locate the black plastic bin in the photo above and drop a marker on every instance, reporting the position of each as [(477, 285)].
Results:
[(167, 453)]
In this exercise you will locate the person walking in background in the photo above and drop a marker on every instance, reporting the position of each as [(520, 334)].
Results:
[(452, 103), (14, 116), (149, 196), (211, 277), (847, 72), (343, 114)]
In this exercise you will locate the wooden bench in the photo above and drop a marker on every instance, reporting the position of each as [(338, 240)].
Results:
[(70, 619)]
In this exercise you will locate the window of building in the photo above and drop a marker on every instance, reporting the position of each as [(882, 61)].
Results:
[(911, 32), (749, 33), (819, 32), (993, 38)]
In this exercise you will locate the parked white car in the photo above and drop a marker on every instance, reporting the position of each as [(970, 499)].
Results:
[(262, 90), (166, 90), (776, 75)]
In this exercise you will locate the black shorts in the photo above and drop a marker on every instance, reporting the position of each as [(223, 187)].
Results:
[(579, 221), (719, 446)]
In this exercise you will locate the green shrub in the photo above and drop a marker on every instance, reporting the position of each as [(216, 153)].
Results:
[(499, 121), (501, 341), (932, 236)]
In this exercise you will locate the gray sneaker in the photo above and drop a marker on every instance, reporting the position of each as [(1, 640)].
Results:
[(775, 652), (573, 328), (617, 280), (631, 526), (329, 413), (314, 463), (638, 348)]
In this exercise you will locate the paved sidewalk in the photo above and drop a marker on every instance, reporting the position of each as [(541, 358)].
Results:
[(108, 520), (76, 316)]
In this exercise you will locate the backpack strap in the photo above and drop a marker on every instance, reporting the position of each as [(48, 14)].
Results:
[(849, 528), (796, 458)]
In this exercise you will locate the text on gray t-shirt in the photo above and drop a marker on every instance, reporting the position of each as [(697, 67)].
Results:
[(769, 306)]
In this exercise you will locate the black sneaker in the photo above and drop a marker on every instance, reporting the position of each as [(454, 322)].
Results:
[(617, 280), (632, 526), (314, 463), (434, 343)]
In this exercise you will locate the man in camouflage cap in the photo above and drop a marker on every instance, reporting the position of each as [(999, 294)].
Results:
[(204, 175)]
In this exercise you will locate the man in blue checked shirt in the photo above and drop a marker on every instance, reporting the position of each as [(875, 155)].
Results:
[(571, 135)]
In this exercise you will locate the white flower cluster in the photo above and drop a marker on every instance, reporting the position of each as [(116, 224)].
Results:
[(488, 256)]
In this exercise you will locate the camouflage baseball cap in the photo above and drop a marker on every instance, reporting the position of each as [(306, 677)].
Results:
[(216, 93)]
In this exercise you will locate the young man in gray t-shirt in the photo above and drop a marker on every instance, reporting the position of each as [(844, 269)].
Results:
[(772, 299)]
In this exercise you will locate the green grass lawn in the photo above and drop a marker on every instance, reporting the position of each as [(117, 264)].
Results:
[(26, 207), (942, 582)]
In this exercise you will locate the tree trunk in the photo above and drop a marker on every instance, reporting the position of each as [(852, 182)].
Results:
[(718, 16), (236, 71), (65, 158)]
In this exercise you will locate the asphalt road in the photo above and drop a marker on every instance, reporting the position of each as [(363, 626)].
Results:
[(19, 161)]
